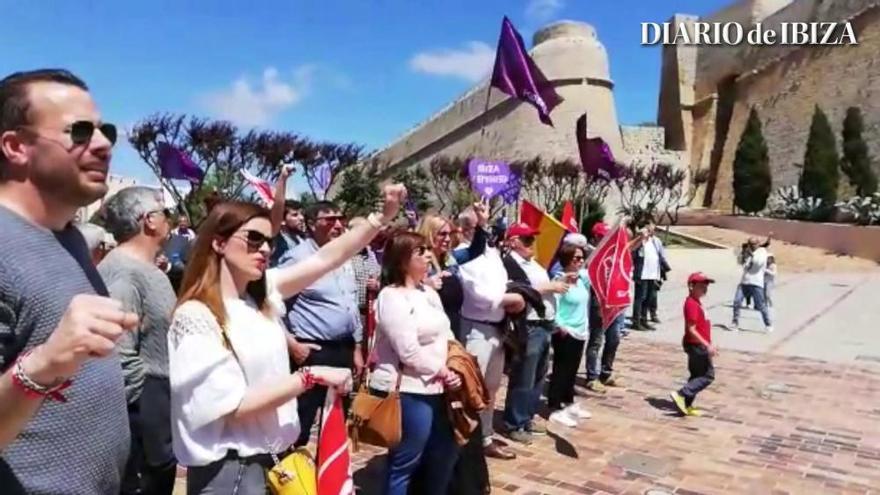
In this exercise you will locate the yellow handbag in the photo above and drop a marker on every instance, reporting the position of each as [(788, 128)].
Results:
[(294, 475)]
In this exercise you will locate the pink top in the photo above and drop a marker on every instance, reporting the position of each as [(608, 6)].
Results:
[(412, 332)]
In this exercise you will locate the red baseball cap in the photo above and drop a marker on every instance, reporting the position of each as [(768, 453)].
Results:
[(521, 230), (599, 230), (700, 277)]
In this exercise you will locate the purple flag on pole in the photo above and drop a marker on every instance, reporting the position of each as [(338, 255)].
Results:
[(596, 156), (175, 164), (321, 183), (488, 178), (517, 75), (511, 194)]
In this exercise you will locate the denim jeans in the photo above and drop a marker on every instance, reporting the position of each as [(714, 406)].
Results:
[(645, 300), (526, 380), (426, 439), (701, 370), (611, 338), (757, 294)]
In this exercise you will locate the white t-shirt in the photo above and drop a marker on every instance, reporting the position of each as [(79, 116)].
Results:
[(651, 266), (754, 268), (208, 381), (537, 276), (484, 283)]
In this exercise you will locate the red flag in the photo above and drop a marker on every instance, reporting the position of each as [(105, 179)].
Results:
[(263, 188), (568, 218), (610, 271), (334, 458), (531, 215)]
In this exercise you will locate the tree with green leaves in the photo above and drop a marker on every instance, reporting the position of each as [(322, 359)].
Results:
[(418, 189), (358, 192), (752, 181), (820, 176), (856, 163)]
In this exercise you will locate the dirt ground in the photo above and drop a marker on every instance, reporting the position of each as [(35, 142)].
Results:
[(792, 258)]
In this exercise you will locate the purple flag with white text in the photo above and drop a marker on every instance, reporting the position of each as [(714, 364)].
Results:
[(517, 75), (175, 164)]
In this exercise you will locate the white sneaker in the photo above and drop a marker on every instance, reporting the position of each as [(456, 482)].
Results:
[(575, 411), (769, 329), (564, 418)]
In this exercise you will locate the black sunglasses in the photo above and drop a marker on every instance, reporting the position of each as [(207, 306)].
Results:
[(527, 241), (421, 250), (255, 240), (81, 131)]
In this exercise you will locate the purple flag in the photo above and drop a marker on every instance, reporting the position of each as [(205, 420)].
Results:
[(517, 75), (488, 178), (175, 164), (511, 194), (321, 182), (596, 156)]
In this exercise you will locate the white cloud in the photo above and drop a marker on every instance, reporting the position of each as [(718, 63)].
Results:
[(543, 10), (249, 104), (472, 63)]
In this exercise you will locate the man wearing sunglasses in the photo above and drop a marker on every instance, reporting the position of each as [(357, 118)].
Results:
[(324, 318), (63, 419), (139, 221)]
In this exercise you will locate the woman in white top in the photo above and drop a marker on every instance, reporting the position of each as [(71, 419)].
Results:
[(233, 398), (413, 335)]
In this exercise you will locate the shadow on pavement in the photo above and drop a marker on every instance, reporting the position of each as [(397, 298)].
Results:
[(662, 404)]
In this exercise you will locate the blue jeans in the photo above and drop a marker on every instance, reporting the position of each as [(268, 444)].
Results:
[(427, 438), (757, 294), (611, 338), (526, 380)]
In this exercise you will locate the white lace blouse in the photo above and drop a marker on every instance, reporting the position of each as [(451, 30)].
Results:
[(208, 381)]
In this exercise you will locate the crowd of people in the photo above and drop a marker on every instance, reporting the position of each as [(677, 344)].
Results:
[(214, 348)]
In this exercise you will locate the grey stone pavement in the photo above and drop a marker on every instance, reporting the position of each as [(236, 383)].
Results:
[(826, 316)]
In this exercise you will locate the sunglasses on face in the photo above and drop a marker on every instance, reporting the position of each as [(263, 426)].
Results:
[(81, 131), (255, 240), (527, 241), (578, 258), (421, 250), (332, 218)]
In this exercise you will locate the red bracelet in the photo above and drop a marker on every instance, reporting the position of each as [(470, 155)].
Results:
[(308, 378), (31, 388)]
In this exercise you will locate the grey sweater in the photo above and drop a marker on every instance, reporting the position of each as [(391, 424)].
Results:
[(144, 290), (71, 448)]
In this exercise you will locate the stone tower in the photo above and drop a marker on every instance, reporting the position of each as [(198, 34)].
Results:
[(571, 56)]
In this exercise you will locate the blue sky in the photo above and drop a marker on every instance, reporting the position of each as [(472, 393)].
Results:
[(360, 71)]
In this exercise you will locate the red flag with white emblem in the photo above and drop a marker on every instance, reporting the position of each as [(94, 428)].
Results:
[(334, 457), (610, 271), (263, 188), (568, 218)]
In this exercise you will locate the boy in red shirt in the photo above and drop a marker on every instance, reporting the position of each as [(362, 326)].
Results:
[(697, 344)]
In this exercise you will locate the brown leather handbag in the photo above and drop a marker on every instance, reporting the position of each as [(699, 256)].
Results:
[(375, 420)]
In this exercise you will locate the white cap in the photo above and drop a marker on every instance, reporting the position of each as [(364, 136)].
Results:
[(575, 240)]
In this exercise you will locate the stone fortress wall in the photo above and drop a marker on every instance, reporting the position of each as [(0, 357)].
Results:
[(571, 56), (708, 91)]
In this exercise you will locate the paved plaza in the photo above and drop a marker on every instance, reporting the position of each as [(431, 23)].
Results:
[(792, 412)]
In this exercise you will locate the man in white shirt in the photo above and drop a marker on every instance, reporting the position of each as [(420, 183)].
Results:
[(752, 284), (648, 270), (486, 304), (526, 378)]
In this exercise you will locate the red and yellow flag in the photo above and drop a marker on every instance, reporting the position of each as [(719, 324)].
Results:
[(551, 232)]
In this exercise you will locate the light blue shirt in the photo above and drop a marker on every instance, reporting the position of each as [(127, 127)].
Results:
[(573, 307), (327, 310)]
